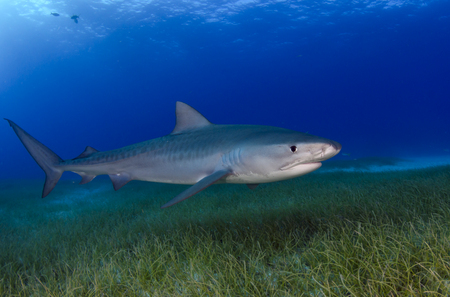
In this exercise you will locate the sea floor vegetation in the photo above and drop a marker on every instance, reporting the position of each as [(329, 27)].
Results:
[(323, 234)]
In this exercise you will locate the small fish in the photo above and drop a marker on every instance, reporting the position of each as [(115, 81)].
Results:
[(345, 154), (54, 13), (75, 18)]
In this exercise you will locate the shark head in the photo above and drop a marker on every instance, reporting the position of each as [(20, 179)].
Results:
[(274, 154), (261, 153)]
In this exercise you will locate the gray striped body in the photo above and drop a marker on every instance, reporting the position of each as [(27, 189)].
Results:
[(180, 158), (196, 153)]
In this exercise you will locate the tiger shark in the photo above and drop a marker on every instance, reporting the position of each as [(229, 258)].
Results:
[(196, 153)]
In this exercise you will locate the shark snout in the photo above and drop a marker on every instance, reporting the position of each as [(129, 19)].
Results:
[(316, 153), (327, 150), (336, 145), (331, 149)]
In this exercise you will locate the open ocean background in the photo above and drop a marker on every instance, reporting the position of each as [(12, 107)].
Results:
[(373, 75)]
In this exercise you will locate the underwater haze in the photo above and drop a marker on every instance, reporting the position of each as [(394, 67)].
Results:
[(373, 75)]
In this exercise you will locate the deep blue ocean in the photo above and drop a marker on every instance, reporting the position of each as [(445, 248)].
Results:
[(372, 75)]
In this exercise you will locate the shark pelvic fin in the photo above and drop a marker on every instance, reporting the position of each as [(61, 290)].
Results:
[(199, 186), (188, 119), (88, 151), (119, 180), (86, 178), (252, 186), (45, 158)]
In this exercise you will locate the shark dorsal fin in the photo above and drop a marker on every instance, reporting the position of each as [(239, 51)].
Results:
[(188, 119), (87, 152)]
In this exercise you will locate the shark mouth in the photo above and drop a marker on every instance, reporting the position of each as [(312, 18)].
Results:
[(297, 163)]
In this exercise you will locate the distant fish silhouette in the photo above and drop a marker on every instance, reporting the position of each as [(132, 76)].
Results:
[(75, 18), (54, 13)]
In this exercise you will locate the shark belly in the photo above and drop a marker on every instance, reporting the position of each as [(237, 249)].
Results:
[(255, 178)]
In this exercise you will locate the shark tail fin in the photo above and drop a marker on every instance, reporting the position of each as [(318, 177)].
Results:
[(45, 158)]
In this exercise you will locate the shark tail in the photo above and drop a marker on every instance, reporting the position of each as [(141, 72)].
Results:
[(45, 158)]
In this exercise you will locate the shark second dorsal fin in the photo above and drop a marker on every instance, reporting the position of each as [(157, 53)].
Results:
[(188, 119), (87, 152)]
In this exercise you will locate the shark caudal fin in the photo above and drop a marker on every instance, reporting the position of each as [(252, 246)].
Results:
[(45, 158)]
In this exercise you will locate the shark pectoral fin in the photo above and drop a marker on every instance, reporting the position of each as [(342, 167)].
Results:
[(119, 180), (252, 186), (199, 186), (85, 178)]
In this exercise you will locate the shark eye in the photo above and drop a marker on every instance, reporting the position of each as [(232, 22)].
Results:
[(293, 148)]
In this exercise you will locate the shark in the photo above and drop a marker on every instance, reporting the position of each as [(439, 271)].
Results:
[(197, 153)]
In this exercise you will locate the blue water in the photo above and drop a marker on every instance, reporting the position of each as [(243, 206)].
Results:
[(373, 75)]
